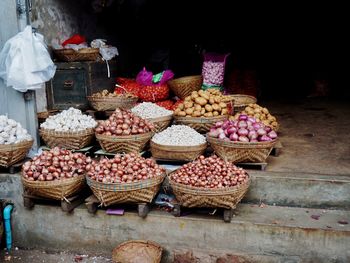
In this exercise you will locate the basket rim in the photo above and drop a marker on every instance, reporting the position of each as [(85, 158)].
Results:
[(15, 146), (235, 143), (49, 184), (82, 50), (177, 148), (145, 242), (185, 78), (242, 95), (87, 131), (111, 99), (162, 118), (201, 119), (133, 137)]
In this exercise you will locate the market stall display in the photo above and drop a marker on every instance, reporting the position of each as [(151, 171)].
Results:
[(183, 87), (105, 100), (70, 129)]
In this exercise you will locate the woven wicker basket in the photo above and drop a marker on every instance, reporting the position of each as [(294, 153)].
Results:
[(136, 251), (242, 152), (58, 190), (176, 153), (189, 196), (13, 153), (67, 140), (200, 124), (124, 144), (140, 192), (182, 87), (161, 123), (111, 103), (84, 54), (241, 101)]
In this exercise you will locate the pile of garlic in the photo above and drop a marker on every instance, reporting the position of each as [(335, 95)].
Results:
[(72, 120), (149, 110), (12, 132)]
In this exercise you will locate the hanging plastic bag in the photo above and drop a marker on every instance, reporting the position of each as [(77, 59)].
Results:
[(213, 70), (25, 63)]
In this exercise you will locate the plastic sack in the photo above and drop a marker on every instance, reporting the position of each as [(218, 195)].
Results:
[(25, 63), (147, 78), (213, 70), (106, 51), (75, 40)]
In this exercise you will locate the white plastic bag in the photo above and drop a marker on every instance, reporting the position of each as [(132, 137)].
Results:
[(25, 62)]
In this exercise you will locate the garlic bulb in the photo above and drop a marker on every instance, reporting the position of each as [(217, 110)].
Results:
[(12, 132)]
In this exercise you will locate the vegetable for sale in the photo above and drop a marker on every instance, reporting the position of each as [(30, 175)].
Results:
[(211, 172), (56, 164), (147, 110), (105, 93), (127, 85), (124, 169), (167, 104), (154, 93), (12, 132)]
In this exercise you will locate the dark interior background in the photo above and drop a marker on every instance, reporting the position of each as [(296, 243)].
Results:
[(288, 47)]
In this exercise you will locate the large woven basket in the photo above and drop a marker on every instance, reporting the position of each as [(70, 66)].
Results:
[(176, 153), (137, 251), (115, 193), (67, 140), (124, 144), (111, 103), (57, 190), (161, 123), (200, 124), (70, 55), (182, 87), (242, 152), (13, 153), (189, 196), (241, 101)]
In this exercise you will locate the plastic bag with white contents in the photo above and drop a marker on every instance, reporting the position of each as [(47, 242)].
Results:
[(25, 63)]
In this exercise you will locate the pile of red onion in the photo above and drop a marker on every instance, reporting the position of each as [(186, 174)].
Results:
[(123, 122), (56, 164), (211, 172), (129, 168), (245, 129)]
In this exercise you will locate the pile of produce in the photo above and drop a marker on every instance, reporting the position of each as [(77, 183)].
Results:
[(149, 110), (179, 135), (106, 94), (72, 120), (202, 103), (56, 164), (154, 93), (124, 169), (245, 129), (211, 172), (126, 85), (167, 104), (12, 132), (124, 122), (260, 114)]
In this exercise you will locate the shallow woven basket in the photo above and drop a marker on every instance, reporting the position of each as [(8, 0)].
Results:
[(176, 153), (67, 140), (182, 87), (137, 251), (241, 101), (200, 124), (13, 153), (58, 189), (111, 103), (124, 144), (242, 152), (84, 54), (115, 193), (189, 196), (161, 123)]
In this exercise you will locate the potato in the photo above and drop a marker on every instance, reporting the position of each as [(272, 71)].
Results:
[(194, 95), (211, 100), (188, 115), (188, 98), (264, 110), (248, 108), (208, 114), (182, 113), (181, 106), (216, 107), (215, 113), (196, 114), (197, 107), (208, 108), (222, 104), (202, 111), (257, 110), (224, 112), (188, 104), (217, 99), (263, 117), (274, 124), (252, 105), (176, 112), (205, 96), (201, 101), (257, 115)]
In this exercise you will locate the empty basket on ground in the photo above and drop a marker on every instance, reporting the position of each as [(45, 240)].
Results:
[(241, 152), (115, 193), (58, 189), (161, 123), (84, 54), (111, 103), (13, 153), (68, 140), (200, 124), (241, 101), (136, 251), (176, 153), (182, 87), (124, 144)]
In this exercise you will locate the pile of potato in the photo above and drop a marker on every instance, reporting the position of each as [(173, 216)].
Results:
[(260, 114), (105, 93), (202, 103)]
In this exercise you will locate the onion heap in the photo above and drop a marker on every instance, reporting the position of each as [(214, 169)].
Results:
[(244, 129), (129, 168), (56, 164), (124, 122), (210, 172)]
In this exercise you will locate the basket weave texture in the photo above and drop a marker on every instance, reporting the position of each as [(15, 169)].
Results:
[(182, 87), (161, 123), (115, 193), (124, 144), (189, 196), (241, 101), (200, 124), (70, 55), (111, 103), (241, 152), (176, 153), (137, 251), (67, 140), (58, 189), (12, 153)]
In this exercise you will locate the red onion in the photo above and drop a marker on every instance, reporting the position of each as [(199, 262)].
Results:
[(234, 137), (272, 134), (242, 132), (243, 139), (265, 138), (243, 117), (252, 135), (261, 131), (242, 124)]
